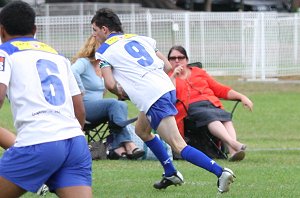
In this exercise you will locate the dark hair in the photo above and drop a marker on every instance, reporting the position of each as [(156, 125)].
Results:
[(18, 18), (106, 17), (180, 49)]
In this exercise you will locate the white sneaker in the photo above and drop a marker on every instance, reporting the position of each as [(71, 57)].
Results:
[(176, 179), (225, 180), (43, 190)]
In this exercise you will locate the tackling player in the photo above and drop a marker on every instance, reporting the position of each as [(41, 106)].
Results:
[(133, 68)]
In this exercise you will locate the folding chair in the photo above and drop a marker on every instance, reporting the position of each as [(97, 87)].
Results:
[(98, 135), (99, 131), (96, 131), (200, 137)]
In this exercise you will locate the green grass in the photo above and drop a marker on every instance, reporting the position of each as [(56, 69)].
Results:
[(6, 120), (271, 168)]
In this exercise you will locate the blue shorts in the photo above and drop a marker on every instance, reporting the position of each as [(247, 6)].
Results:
[(58, 164), (162, 108)]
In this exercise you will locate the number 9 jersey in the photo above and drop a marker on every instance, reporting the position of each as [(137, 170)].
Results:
[(136, 67), (40, 89)]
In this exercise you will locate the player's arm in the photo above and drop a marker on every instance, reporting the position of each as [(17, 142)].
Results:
[(79, 109), (5, 73), (111, 84), (77, 100), (7, 138), (3, 89), (167, 64)]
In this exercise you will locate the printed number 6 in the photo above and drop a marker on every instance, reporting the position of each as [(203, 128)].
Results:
[(136, 50), (52, 86)]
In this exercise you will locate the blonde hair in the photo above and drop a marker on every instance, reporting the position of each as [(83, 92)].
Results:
[(87, 50)]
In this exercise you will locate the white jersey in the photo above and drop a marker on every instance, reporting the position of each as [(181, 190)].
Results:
[(136, 67), (40, 89)]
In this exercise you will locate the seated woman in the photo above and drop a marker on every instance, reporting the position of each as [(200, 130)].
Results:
[(88, 76), (200, 93)]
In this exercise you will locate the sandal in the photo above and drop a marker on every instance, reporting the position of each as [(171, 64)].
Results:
[(238, 156), (244, 147), (136, 153), (115, 156)]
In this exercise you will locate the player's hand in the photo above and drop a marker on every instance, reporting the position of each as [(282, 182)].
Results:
[(122, 95)]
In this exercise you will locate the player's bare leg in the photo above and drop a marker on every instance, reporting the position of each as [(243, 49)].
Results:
[(171, 176), (168, 131), (143, 128), (75, 192), (9, 189)]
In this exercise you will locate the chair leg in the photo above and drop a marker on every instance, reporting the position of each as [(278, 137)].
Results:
[(96, 133)]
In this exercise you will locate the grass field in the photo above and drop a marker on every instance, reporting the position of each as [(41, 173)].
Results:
[(271, 167)]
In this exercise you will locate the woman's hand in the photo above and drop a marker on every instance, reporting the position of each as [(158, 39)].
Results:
[(247, 103), (234, 95), (177, 71)]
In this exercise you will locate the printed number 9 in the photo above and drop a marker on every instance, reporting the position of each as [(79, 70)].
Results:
[(136, 50), (52, 86)]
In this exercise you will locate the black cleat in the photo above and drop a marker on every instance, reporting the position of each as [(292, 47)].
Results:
[(176, 179)]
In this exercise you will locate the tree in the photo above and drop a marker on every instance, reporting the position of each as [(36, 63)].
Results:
[(3, 2), (194, 4), (295, 5), (207, 5)]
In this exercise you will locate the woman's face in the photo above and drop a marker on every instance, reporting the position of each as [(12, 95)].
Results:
[(177, 59)]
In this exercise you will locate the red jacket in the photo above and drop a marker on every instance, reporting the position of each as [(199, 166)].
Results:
[(198, 87)]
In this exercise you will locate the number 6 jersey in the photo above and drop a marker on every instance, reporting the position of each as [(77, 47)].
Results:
[(40, 89), (136, 67)]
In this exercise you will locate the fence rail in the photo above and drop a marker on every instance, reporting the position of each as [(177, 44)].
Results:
[(254, 45)]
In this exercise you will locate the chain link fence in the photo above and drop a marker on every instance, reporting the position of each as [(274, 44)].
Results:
[(252, 45)]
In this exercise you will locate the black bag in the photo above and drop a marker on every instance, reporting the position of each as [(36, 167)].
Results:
[(201, 139), (98, 150)]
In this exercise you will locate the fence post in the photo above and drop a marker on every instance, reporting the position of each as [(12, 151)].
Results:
[(187, 31), (81, 15), (202, 39), (295, 38), (132, 16), (47, 12), (254, 53), (242, 36), (263, 46), (175, 28), (149, 20), (95, 8), (81, 9)]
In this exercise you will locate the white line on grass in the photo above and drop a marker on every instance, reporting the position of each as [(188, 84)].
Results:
[(274, 149)]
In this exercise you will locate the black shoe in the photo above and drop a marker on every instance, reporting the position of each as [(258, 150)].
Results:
[(136, 153), (176, 179), (112, 155)]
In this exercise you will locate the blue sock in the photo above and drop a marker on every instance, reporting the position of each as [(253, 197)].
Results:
[(198, 158), (161, 154)]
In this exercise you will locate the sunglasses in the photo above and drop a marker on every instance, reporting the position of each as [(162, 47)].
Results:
[(173, 58)]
